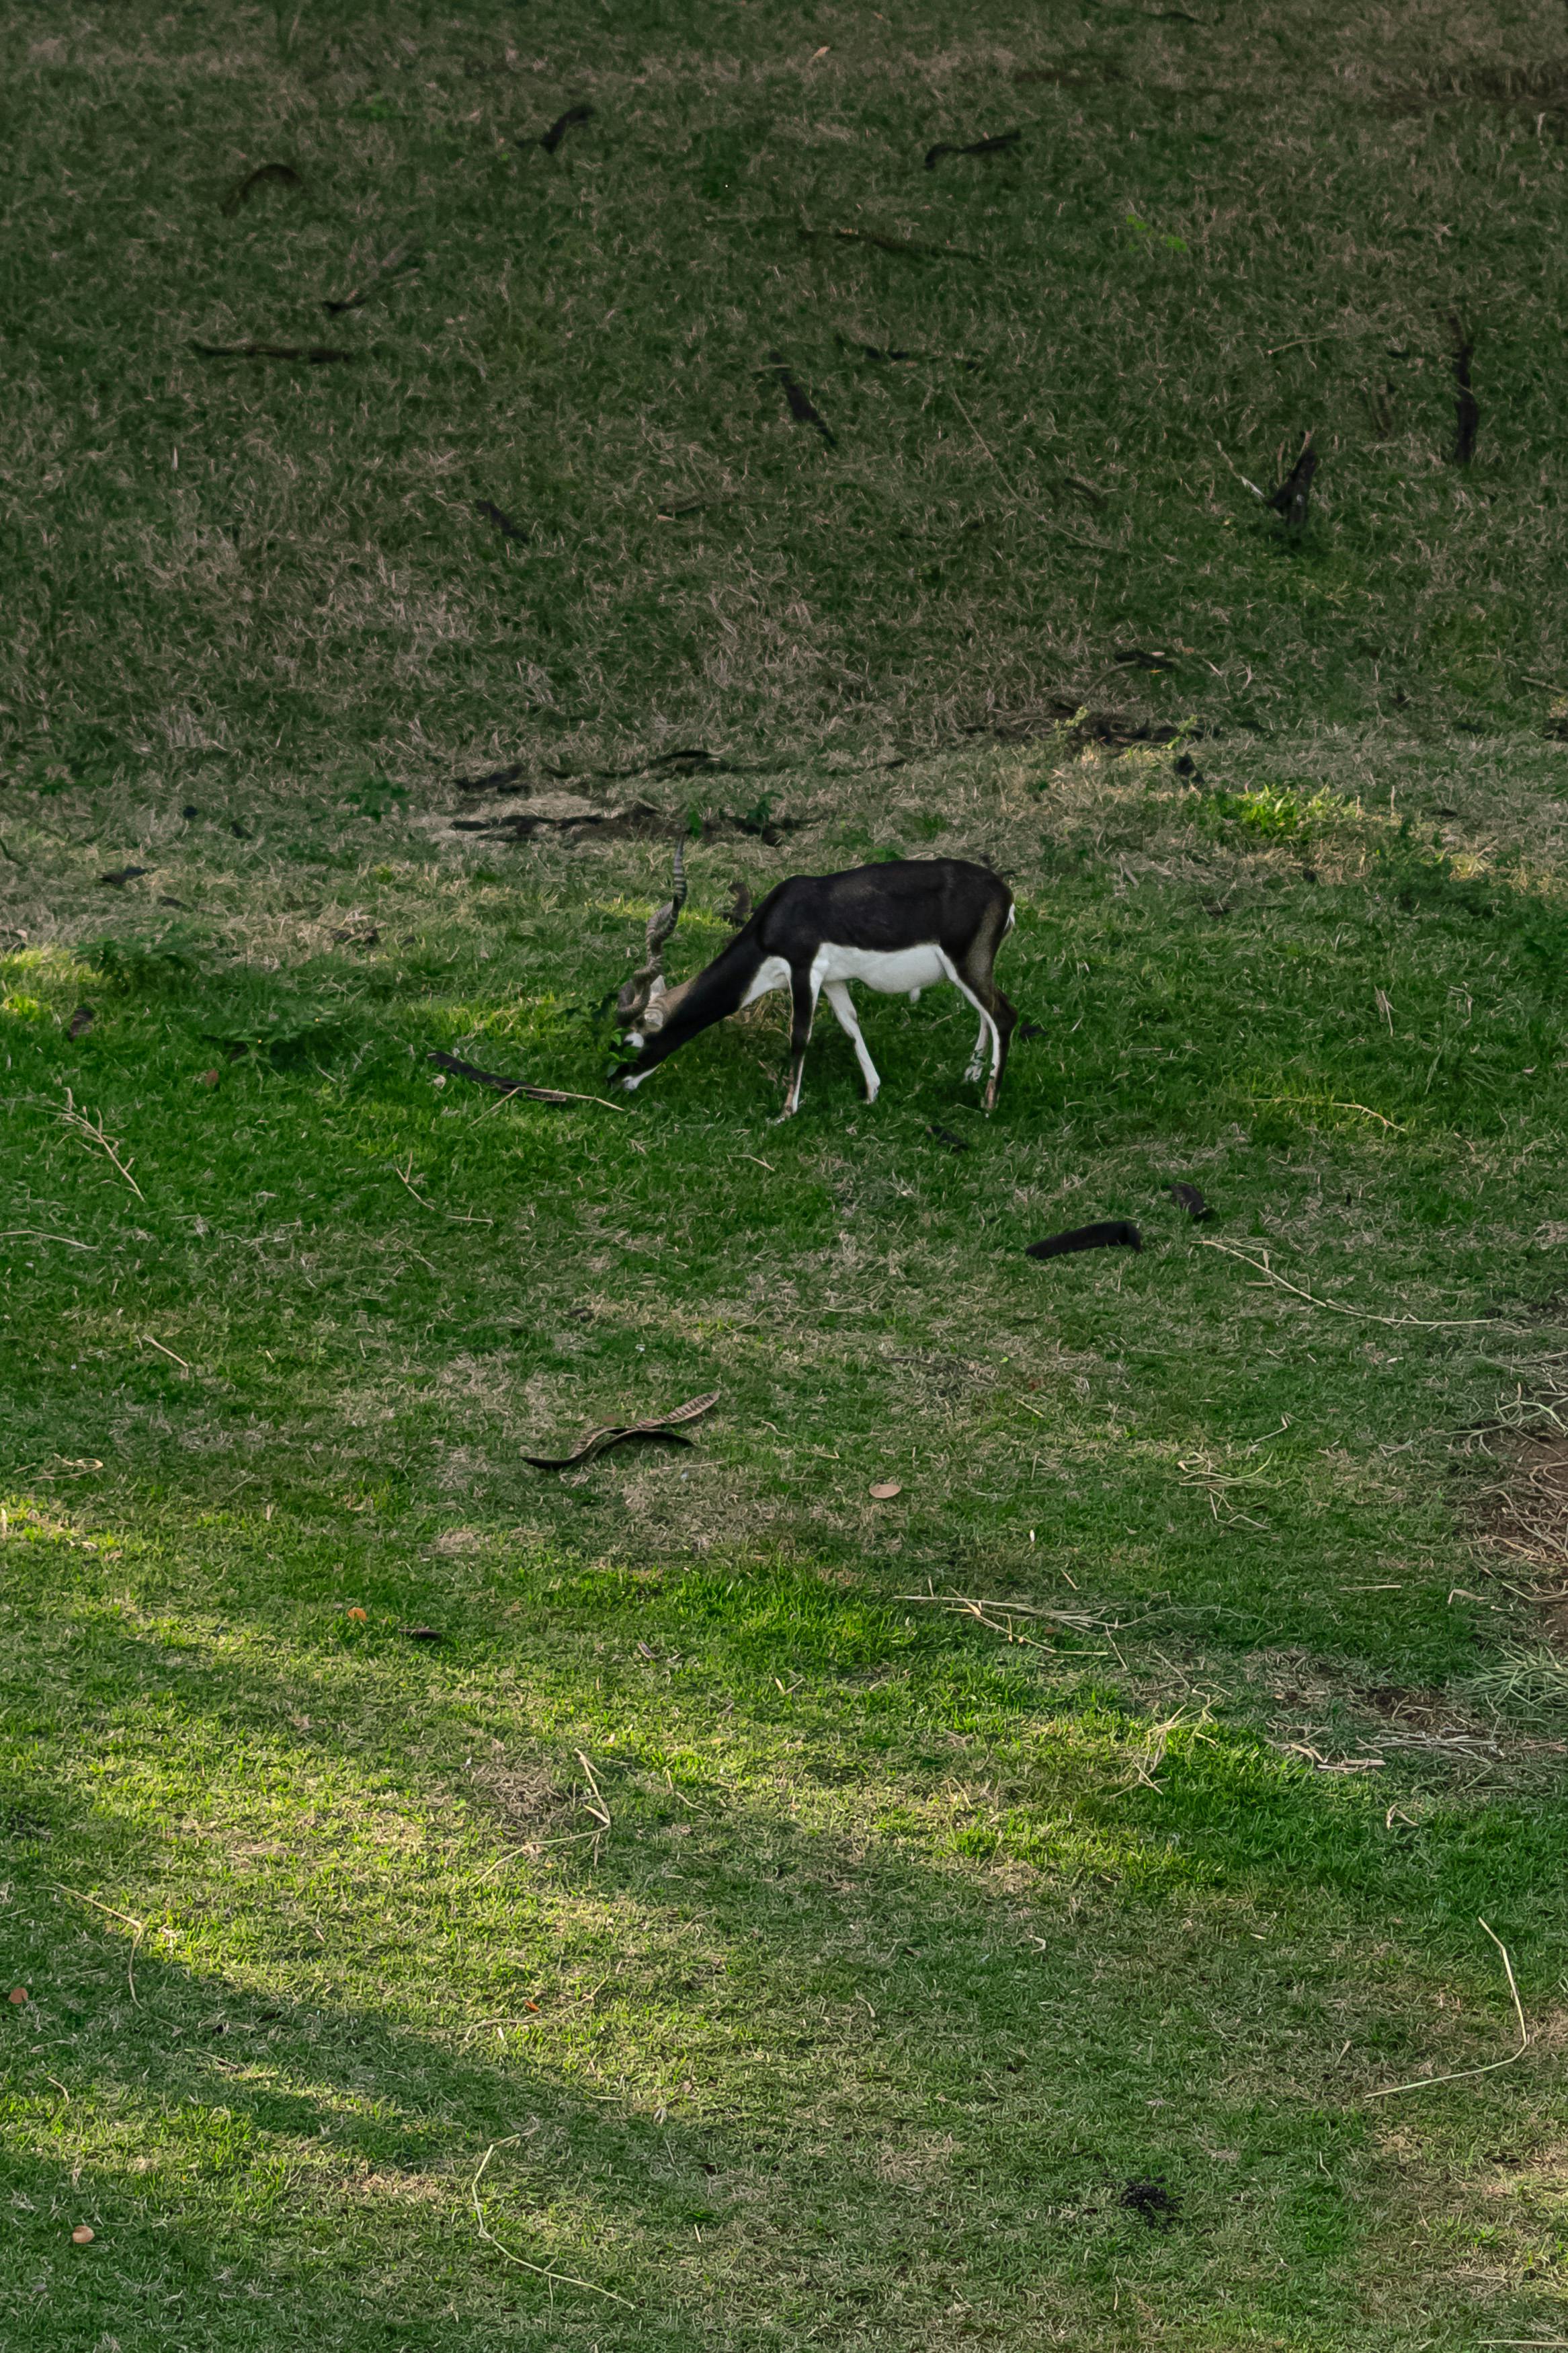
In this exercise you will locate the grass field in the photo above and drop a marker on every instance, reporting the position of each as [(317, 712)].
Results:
[(458, 1906)]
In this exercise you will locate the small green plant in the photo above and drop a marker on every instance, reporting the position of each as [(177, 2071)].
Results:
[(1271, 812), (138, 968), (1531, 1680), (1145, 237), (375, 798)]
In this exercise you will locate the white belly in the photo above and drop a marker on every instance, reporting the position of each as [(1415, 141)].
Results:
[(890, 970)]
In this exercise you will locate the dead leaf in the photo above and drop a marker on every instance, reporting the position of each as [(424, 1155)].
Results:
[(18, 1993), (1380, 999), (206, 1078), (658, 1425), (81, 2236), (358, 1614), (885, 1489)]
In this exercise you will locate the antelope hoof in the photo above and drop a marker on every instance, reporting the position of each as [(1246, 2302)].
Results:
[(632, 1083)]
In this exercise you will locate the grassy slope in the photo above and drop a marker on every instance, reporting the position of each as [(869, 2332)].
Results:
[(906, 1946), (1209, 240)]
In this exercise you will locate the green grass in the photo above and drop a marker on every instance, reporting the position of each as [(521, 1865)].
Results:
[(718, 1937), (908, 1944)]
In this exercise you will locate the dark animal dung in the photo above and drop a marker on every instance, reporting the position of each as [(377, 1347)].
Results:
[(946, 1136), (124, 874), (1135, 657), (1292, 497), (550, 139), (1152, 2201), (1110, 1233), (1027, 1030), (1003, 144), (800, 405), (279, 175), (501, 519), (419, 1633), (81, 1022), (190, 811), (1188, 1196)]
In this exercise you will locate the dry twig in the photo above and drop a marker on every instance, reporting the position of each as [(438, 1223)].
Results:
[(600, 1811), (81, 1125), (455, 1217), (147, 1341), (540, 2271), (140, 1926), (1366, 1315), (1425, 2082)]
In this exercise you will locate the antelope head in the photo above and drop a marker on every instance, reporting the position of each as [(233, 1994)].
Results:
[(646, 1001)]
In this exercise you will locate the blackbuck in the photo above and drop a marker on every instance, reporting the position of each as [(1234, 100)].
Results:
[(900, 928)]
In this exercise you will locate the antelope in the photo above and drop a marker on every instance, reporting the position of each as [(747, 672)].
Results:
[(900, 928)]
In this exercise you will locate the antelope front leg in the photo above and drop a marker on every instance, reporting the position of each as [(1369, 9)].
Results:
[(804, 999), (843, 1005), (977, 1060)]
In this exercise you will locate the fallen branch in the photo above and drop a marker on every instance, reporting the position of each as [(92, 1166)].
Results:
[(1425, 2082), (462, 1070), (318, 354)]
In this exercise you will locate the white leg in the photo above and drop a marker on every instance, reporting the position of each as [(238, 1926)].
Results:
[(977, 1060), (843, 1004), (987, 1027)]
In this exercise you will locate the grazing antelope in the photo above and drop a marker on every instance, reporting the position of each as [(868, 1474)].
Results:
[(899, 927)]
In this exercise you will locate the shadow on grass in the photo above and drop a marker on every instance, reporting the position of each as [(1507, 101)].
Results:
[(845, 2055)]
